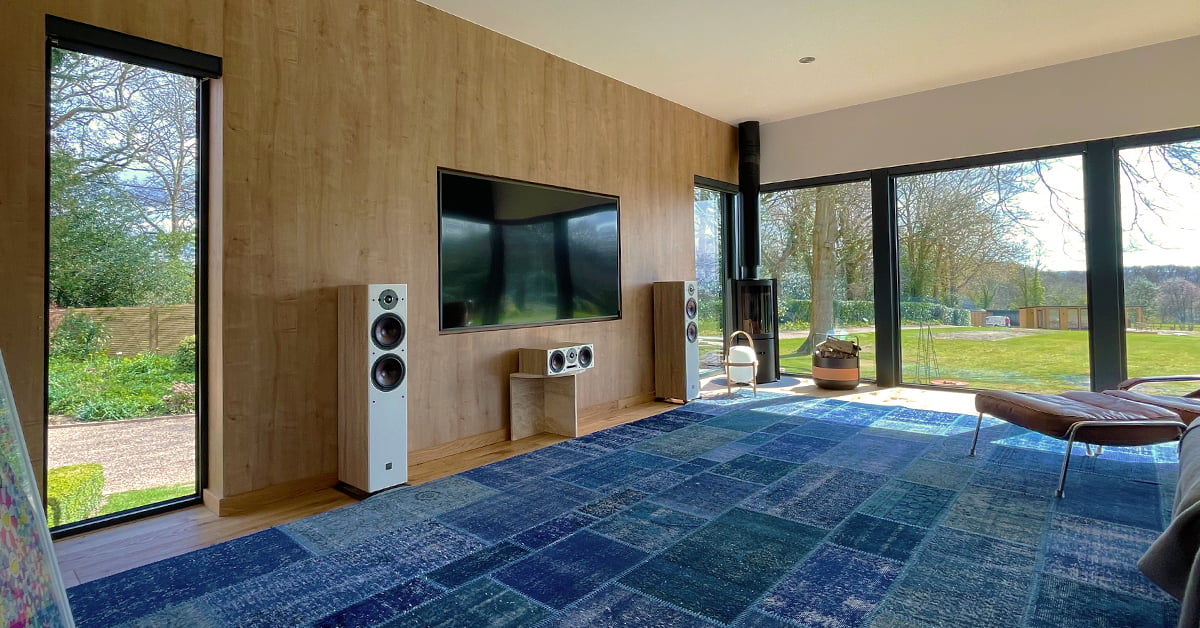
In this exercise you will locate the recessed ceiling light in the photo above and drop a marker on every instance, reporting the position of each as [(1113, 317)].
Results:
[(807, 59)]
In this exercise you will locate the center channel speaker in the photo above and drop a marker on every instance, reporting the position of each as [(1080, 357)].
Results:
[(556, 359), (676, 340), (373, 386)]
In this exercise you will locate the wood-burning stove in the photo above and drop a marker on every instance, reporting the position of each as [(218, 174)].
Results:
[(753, 307)]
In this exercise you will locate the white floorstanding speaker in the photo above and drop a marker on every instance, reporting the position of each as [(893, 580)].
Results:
[(373, 386), (676, 340)]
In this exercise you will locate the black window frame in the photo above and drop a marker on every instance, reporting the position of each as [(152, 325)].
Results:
[(1103, 242), (79, 37), (841, 179), (731, 234)]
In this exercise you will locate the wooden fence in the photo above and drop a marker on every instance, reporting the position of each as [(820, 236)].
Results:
[(140, 329)]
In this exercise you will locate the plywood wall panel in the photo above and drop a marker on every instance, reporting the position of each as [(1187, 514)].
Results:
[(336, 116), (193, 24)]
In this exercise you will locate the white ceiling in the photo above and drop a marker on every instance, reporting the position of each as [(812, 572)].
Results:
[(737, 60)]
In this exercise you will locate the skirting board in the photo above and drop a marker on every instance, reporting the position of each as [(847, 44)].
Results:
[(456, 446), (496, 436), (243, 503), (248, 502), (601, 409)]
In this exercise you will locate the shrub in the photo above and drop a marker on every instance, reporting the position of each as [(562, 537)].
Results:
[(104, 388), (73, 492), (111, 408), (855, 313), (77, 337), (709, 309), (795, 311), (181, 399), (936, 313), (185, 355)]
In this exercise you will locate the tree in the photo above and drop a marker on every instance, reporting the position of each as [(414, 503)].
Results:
[(99, 255), (1142, 292), (954, 224), (855, 246), (817, 242), (1067, 287), (1144, 173), (985, 294), (1029, 284), (710, 259), (1179, 301), (118, 117), (824, 239), (123, 183), (785, 231), (961, 232)]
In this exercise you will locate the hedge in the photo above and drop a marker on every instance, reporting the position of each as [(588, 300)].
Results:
[(73, 492), (851, 313)]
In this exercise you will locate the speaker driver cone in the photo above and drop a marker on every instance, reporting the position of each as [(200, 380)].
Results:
[(693, 332), (691, 308), (585, 357), (388, 372), (558, 360), (387, 331)]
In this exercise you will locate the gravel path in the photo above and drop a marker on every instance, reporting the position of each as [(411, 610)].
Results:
[(135, 453)]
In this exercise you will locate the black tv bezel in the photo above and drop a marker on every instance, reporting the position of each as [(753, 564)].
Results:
[(442, 329)]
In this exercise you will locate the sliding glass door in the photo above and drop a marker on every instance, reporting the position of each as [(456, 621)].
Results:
[(1041, 270), (710, 212), (817, 242), (1160, 216), (993, 282)]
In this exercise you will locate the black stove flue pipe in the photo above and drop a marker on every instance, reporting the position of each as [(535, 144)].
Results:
[(748, 185)]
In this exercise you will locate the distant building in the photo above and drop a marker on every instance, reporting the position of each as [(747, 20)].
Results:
[(1070, 317)]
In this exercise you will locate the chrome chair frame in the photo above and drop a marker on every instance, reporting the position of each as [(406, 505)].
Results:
[(1073, 432)]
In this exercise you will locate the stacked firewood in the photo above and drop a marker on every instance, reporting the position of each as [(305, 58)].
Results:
[(838, 348)]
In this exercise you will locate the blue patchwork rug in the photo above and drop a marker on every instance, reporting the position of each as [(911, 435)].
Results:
[(770, 511)]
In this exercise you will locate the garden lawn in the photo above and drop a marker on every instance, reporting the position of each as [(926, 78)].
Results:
[(1049, 361), (126, 500)]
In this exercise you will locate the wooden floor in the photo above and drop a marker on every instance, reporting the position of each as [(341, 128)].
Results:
[(104, 552)]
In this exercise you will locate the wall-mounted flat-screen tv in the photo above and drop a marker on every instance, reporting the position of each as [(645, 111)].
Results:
[(514, 253)]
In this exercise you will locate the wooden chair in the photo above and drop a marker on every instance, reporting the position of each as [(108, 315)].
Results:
[(740, 356)]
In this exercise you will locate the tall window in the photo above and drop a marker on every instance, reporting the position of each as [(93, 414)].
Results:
[(817, 242), (709, 209), (1160, 215), (123, 264), (993, 276)]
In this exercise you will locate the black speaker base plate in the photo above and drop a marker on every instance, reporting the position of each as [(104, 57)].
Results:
[(358, 493)]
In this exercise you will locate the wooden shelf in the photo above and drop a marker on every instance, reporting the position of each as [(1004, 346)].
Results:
[(540, 403)]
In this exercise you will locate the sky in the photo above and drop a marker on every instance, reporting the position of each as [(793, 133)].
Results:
[(1172, 232)]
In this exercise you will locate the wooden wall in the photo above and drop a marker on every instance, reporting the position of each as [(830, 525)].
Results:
[(195, 24), (335, 116)]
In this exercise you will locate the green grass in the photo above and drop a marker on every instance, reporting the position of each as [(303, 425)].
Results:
[(1051, 361), (126, 500)]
